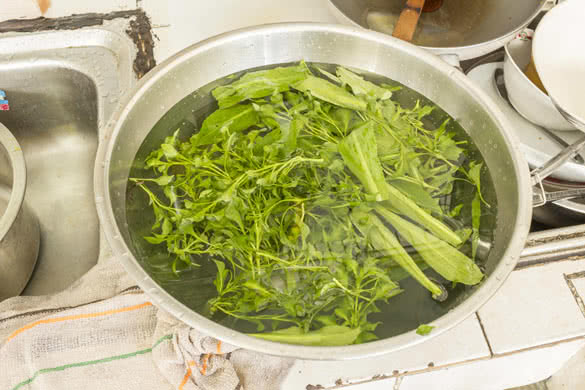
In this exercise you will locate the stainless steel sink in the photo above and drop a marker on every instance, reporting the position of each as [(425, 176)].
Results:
[(62, 87)]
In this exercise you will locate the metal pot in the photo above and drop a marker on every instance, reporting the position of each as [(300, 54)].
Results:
[(19, 228), (250, 48), (462, 29)]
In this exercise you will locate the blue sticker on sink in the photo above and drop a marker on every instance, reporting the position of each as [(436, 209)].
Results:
[(3, 101)]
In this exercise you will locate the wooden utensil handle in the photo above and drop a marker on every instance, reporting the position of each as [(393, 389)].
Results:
[(408, 20)]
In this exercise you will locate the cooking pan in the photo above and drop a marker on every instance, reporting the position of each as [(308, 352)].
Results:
[(458, 30), (218, 57)]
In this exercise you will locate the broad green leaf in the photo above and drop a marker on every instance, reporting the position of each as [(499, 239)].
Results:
[(385, 241), (406, 206), (330, 335), (225, 121), (417, 193), (447, 261), (331, 93), (360, 153), (259, 84), (359, 86)]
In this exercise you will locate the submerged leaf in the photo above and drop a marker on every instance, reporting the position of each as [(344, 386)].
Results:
[(330, 335), (226, 120), (385, 241), (330, 93), (254, 85), (449, 262), (424, 330), (359, 86)]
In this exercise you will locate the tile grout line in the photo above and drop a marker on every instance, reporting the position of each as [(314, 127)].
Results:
[(569, 280), (450, 365), (483, 332), (540, 346), (397, 383), (528, 264)]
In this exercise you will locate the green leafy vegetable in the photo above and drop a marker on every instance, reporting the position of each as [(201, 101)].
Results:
[(309, 200), (331, 335), (383, 240), (254, 85), (324, 90), (360, 153), (226, 120), (359, 86), (449, 262)]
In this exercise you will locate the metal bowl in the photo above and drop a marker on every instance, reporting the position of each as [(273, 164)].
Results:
[(530, 102), (19, 228), (467, 28), (240, 50)]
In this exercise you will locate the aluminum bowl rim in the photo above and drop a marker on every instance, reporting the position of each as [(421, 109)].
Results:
[(211, 328)]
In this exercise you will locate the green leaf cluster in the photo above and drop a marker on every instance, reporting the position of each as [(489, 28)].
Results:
[(302, 189)]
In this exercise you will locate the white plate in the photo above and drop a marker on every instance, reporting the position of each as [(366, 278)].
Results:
[(559, 56), (534, 142)]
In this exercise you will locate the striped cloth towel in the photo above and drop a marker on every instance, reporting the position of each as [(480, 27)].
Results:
[(104, 333)]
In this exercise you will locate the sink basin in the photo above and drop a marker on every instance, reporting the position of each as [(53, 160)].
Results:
[(62, 87)]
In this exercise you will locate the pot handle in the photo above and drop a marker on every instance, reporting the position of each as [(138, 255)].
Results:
[(541, 197), (551, 165), (548, 5), (451, 59), (541, 173)]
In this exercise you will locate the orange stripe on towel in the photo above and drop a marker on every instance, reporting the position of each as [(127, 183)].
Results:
[(76, 317), (185, 378), (218, 347), (204, 365), (187, 374)]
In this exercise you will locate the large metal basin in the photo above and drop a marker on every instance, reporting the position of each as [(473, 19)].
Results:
[(61, 86), (218, 57)]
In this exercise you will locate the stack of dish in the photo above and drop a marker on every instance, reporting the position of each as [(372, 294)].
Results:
[(544, 73)]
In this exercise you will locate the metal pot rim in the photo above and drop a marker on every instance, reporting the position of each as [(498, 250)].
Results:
[(463, 52), (203, 324), (16, 159)]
